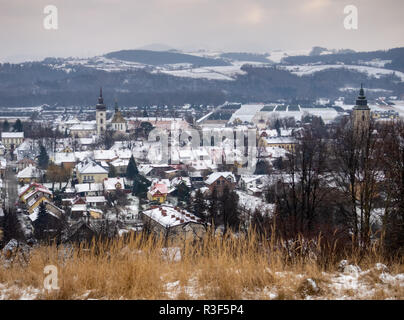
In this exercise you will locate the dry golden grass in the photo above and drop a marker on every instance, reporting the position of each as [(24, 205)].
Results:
[(236, 267)]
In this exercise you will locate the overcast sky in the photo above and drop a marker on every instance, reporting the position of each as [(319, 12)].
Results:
[(90, 27)]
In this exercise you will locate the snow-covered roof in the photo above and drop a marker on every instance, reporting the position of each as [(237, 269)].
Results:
[(253, 203), (83, 127), (88, 187), (34, 215), (124, 153), (216, 175), (169, 216), (86, 141), (281, 140), (248, 178), (110, 184), (61, 157), (79, 207), (29, 172), (82, 155), (12, 134), (104, 155), (97, 199), (119, 163), (246, 113), (159, 187), (90, 167), (177, 180)]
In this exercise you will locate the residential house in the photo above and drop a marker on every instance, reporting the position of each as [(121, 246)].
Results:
[(88, 171), (29, 174), (34, 195), (287, 143), (253, 184), (105, 155), (78, 208), (169, 221), (3, 166), (83, 129), (25, 162), (94, 202), (120, 165), (82, 231), (158, 192), (12, 140), (89, 189), (3, 149), (66, 160), (219, 181), (113, 184), (54, 220), (27, 149)]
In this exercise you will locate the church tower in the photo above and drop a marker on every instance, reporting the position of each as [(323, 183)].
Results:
[(361, 115), (101, 115), (118, 122)]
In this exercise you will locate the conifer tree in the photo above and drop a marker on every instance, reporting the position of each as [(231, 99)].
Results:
[(18, 126), (43, 158), (131, 170), (41, 222), (6, 126), (112, 172), (199, 205)]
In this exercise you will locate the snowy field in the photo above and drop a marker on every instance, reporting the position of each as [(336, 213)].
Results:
[(277, 55)]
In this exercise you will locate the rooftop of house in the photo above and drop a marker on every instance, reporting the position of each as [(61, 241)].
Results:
[(63, 157), (89, 166), (29, 172), (169, 216), (280, 140), (97, 199), (113, 183), (12, 134), (104, 155), (119, 162), (34, 215), (88, 187), (158, 187), (216, 175), (83, 126)]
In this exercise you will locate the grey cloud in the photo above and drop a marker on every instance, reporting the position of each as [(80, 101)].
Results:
[(90, 27)]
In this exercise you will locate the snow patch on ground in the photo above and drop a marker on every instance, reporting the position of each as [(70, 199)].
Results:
[(17, 293)]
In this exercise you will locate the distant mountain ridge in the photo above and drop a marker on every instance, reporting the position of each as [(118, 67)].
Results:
[(394, 58), (144, 77), (156, 58)]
